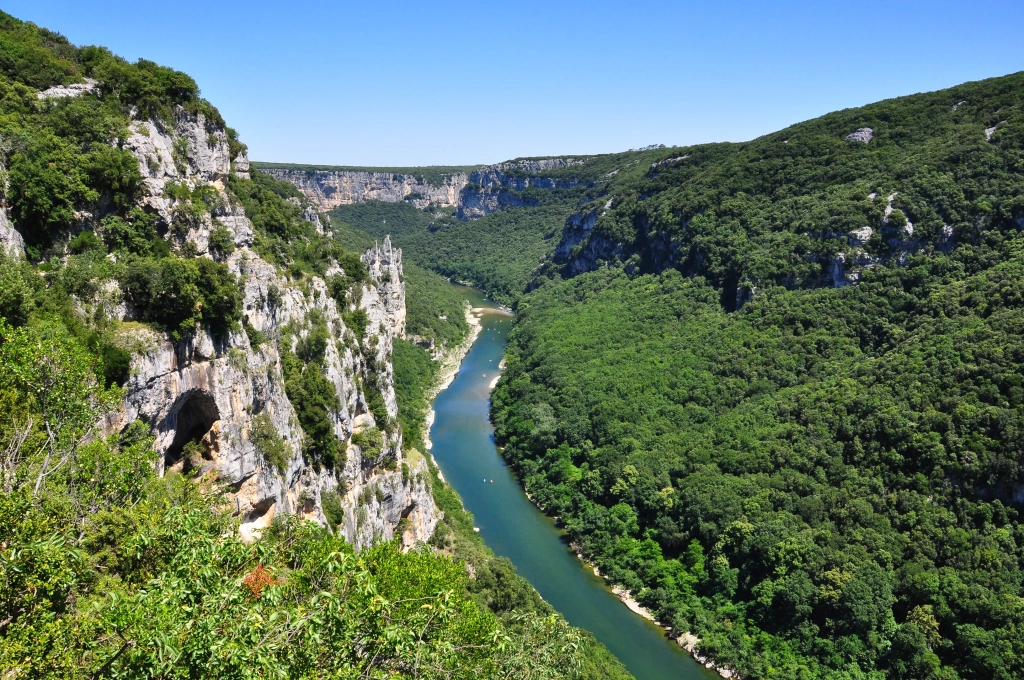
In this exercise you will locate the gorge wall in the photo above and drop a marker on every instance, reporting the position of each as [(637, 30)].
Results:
[(474, 194), (218, 390)]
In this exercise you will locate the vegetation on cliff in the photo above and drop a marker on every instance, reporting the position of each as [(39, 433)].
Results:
[(107, 570), (496, 253), (825, 481)]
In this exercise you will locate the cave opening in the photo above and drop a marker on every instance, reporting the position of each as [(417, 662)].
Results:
[(193, 420)]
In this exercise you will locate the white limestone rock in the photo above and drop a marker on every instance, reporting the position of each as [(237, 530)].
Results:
[(72, 90), (11, 242), (210, 389), (189, 151), (242, 166), (328, 189), (864, 135), (384, 264)]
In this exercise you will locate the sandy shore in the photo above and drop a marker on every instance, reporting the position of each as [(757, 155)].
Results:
[(451, 362), (687, 641), (633, 605)]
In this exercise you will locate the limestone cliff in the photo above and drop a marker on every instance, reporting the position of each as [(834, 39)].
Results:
[(211, 389), (328, 189), (478, 193)]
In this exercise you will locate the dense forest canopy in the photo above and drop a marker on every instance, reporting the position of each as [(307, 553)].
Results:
[(774, 387), (497, 253), (817, 473)]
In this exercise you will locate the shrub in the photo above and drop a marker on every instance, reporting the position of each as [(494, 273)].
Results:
[(331, 504), (314, 398), (86, 241), (222, 242), (269, 443), (135, 233), (47, 182), (114, 173), (370, 441), (15, 293), (181, 294)]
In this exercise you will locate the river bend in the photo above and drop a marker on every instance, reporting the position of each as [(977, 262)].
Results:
[(463, 445)]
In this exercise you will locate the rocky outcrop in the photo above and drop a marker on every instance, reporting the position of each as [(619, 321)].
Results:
[(579, 250), (328, 189), (72, 90), (192, 153), (11, 243), (863, 135), (520, 175), (211, 390), (475, 203), (385, 266), (481, 192)]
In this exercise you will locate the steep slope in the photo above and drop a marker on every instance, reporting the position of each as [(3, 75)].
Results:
[(773, 389), (474, 192), (197, 384), (188, 363)]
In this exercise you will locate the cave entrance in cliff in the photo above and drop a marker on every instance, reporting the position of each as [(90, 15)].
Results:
[(193, 421)]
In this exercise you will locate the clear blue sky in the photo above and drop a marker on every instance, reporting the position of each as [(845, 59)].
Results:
[(403, 83)]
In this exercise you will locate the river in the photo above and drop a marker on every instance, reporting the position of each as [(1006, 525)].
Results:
[(463, 445)]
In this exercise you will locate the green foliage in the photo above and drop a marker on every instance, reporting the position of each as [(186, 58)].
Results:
[(54, 401), (497, 253), (176, 595), (34, 55), (16, 295), (792, 476), (370, 441), (415, 374), (282, 236), (356, 321), (269, 444), (182, 294), (222, 242), (434, 310), (314, 398), (135, 233), (105, 569), (90, 122), (333, 511), (344, 287), (84, 242), (48, 180), (810, 483)]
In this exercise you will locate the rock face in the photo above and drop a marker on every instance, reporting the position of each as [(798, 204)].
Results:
[(481, 192), (582, 248), (210, 389), (385, 266), (863, 135), (193, 153), (11, 243), (73, 90), (328, 189)]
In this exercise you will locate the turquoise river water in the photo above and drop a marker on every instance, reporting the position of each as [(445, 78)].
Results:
[(463, 445)]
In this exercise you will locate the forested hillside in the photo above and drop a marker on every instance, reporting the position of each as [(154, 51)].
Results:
[(116, 563), (497, 253), (775, 389)]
